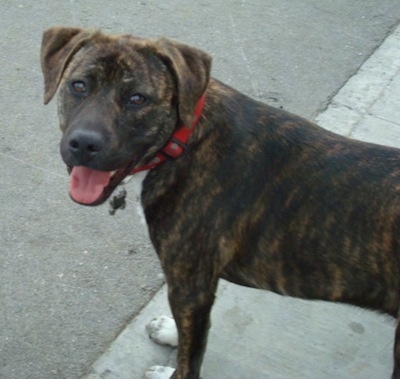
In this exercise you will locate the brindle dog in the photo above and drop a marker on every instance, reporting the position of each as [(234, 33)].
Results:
[(259, 196)]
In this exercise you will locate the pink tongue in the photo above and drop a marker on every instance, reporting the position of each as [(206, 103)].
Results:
[(86, 185)]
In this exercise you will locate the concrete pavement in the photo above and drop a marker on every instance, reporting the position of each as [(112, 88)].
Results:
[(256, 334), (71, 278)]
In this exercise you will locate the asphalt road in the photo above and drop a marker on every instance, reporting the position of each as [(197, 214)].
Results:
[(72, 277)]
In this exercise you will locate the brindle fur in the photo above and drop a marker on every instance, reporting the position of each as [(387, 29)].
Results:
[(261, 197)]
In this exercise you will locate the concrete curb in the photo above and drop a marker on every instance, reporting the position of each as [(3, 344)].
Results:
[(357, 97)]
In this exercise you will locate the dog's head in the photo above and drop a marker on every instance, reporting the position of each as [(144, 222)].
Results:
[(120, 99)]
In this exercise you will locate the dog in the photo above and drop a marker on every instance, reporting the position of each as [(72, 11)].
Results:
[(231, 188)]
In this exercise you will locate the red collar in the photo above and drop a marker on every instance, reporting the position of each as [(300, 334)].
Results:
[(177, 143)]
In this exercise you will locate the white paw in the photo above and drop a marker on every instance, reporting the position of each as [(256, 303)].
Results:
[(163, 331), (159, 372)]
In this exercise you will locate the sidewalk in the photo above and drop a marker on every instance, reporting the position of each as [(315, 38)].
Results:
[(257, 334)]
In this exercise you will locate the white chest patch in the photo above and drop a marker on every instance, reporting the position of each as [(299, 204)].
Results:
[(137, 184)]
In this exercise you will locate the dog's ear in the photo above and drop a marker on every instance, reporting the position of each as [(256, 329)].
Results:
[(59, 44), (191, 68)]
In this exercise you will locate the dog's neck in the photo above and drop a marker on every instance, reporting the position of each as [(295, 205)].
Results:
[(176, 145)]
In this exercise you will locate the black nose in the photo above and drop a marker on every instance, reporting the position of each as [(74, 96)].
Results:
[(85, 144)]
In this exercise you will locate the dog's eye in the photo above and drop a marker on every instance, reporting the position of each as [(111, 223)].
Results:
[(79, 87), (137, 100)]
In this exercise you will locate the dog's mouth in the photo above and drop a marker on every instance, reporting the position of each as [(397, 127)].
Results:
[(93, 187)]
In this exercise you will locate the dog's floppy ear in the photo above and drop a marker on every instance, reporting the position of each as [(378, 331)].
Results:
[(59, 44), (191, 68)]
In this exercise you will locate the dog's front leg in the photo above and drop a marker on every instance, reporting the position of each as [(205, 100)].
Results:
[(191, 307)]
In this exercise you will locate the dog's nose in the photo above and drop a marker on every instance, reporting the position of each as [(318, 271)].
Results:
[(85, 144)]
